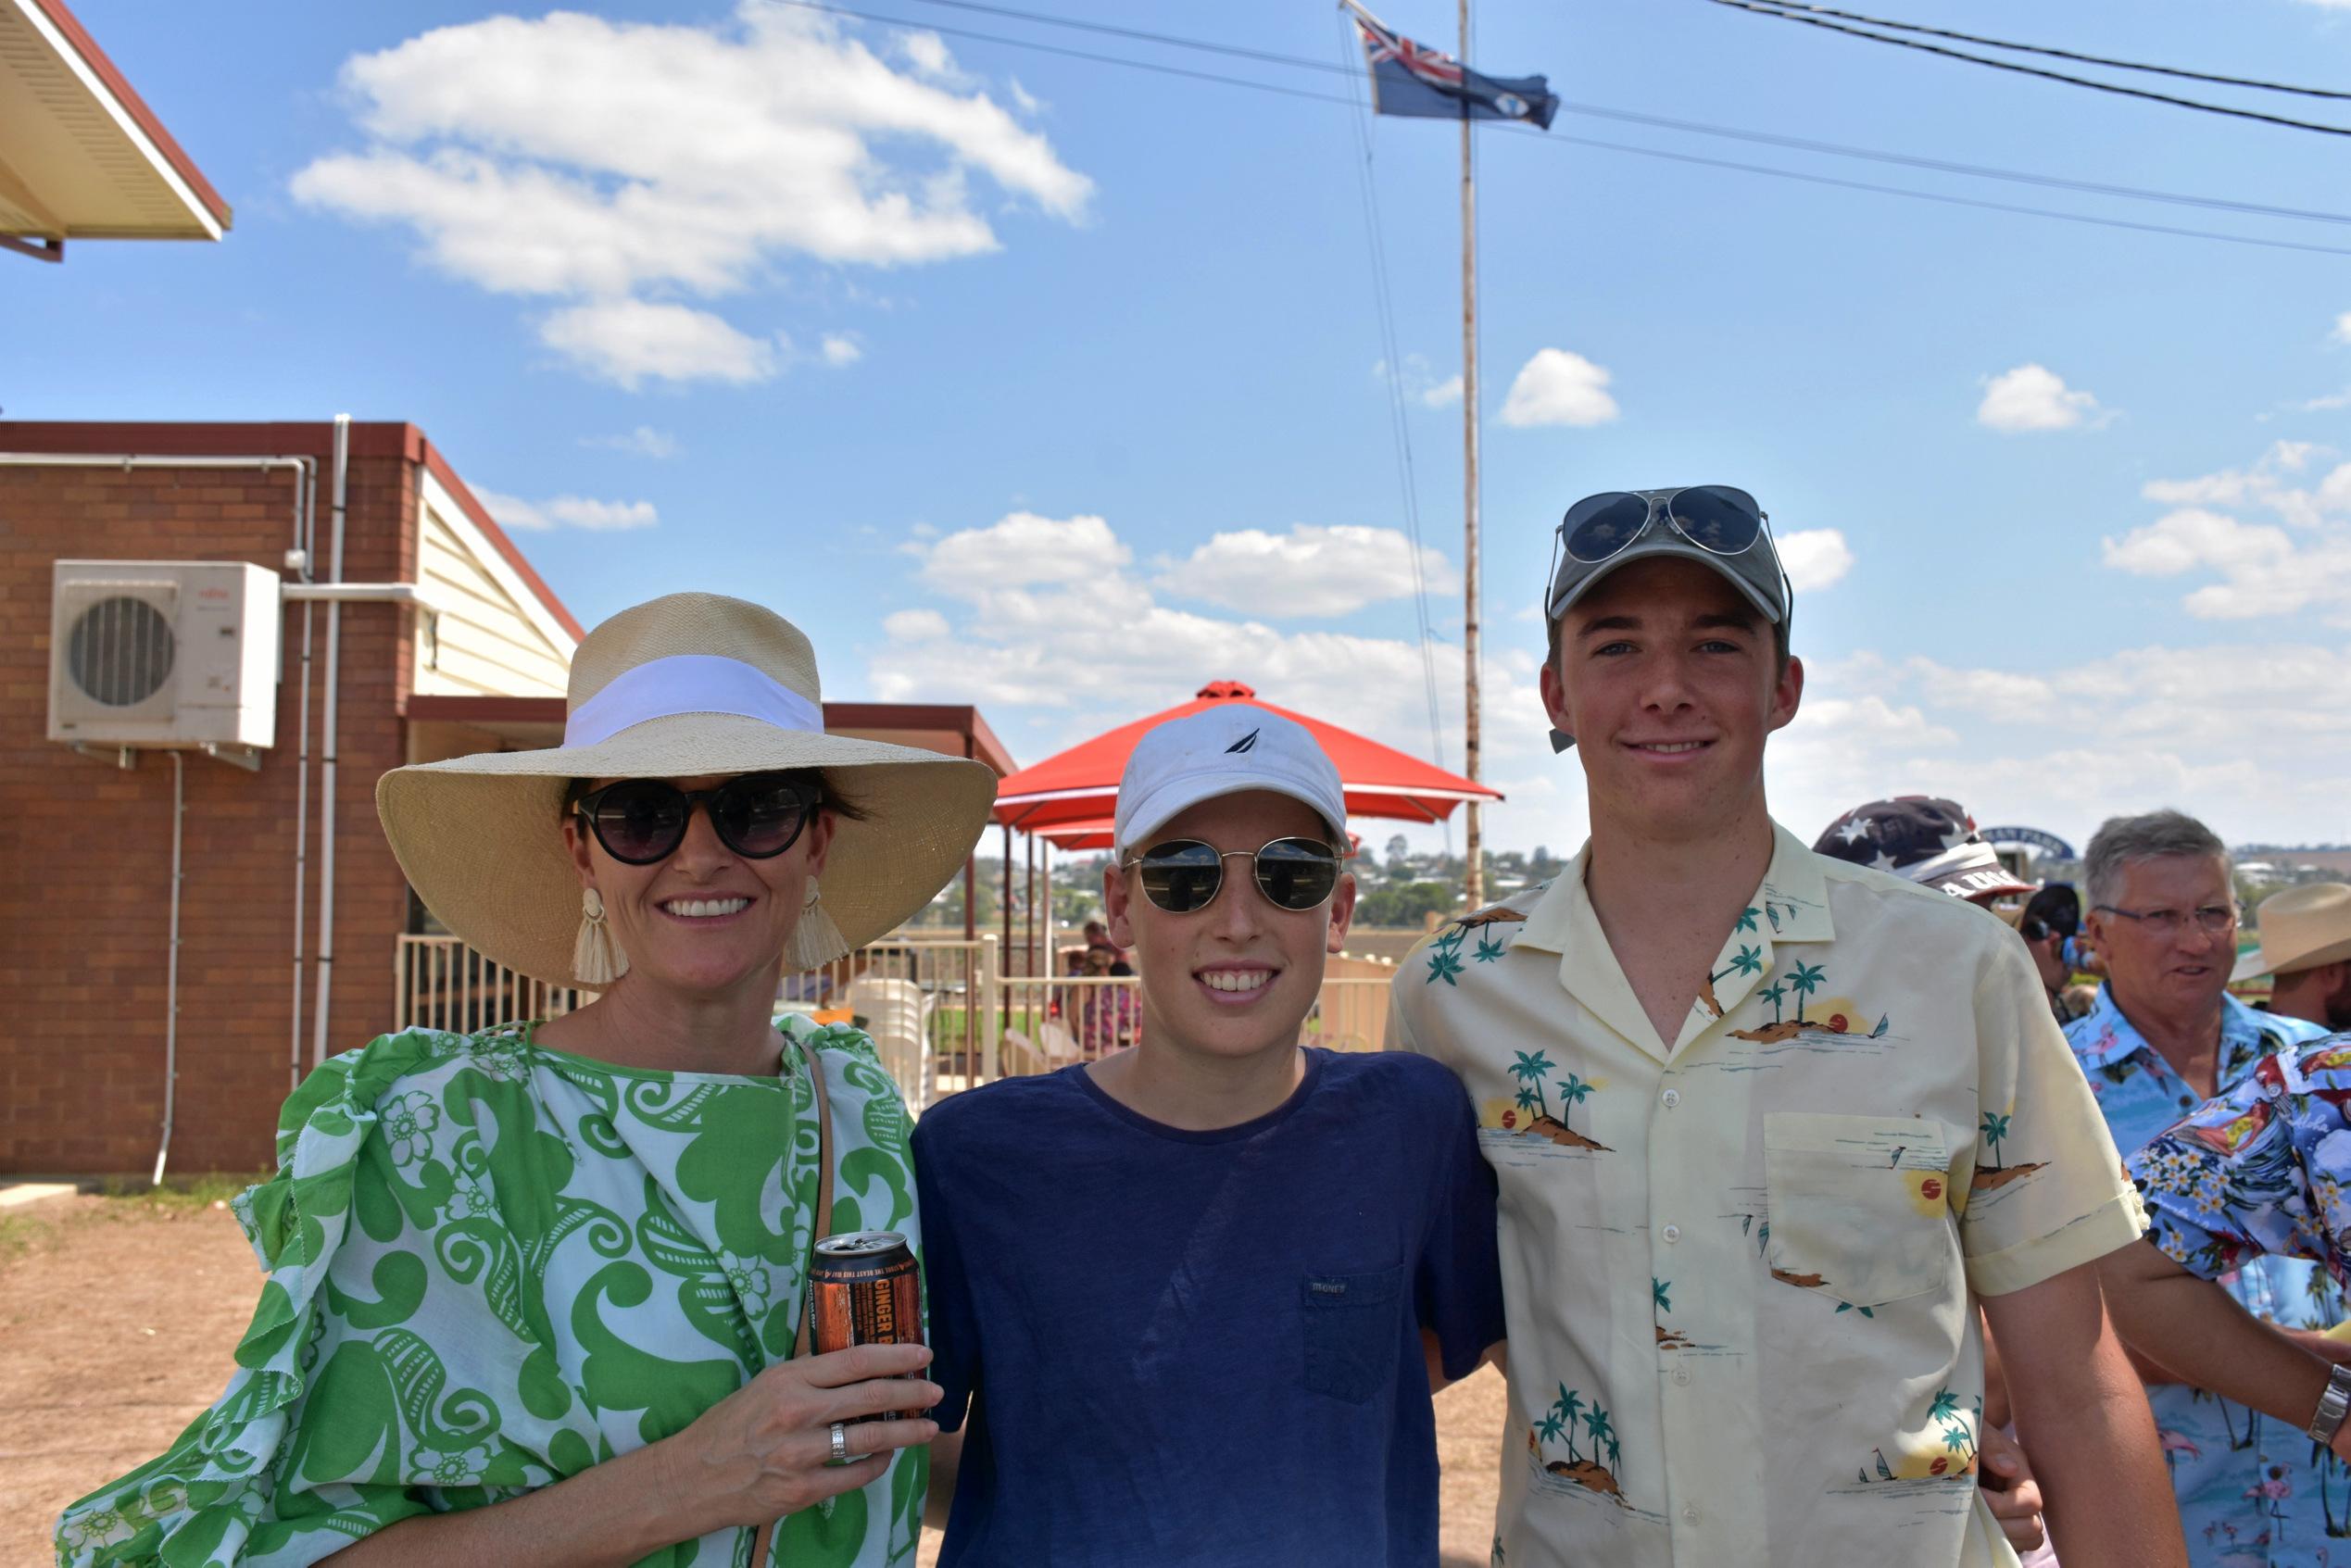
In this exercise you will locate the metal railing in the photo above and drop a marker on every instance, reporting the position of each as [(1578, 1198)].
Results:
[(943, 1014)]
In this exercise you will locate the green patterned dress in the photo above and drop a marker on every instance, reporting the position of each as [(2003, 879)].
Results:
[(492, 1265)]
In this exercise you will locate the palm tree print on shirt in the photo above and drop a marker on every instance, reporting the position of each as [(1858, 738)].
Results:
[(1806, 978), (1747, 961), (1532, 1069), (1995, 1130), (1584, 1469)]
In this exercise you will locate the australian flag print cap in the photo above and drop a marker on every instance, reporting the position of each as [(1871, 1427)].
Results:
[(1223, 750)]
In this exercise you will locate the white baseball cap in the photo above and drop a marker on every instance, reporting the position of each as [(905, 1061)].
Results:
[(1220, 751)]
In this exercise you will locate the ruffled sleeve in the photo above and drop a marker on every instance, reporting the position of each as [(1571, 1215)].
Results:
[(223, 1492)]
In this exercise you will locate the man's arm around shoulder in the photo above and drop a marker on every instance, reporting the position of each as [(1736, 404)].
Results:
[(2083, 1417)]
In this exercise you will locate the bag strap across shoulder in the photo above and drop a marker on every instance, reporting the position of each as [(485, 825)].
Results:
[(821, 1222)]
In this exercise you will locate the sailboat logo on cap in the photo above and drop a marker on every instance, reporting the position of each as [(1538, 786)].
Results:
[(1246, 743)]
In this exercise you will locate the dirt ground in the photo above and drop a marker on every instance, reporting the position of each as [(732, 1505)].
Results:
[(117, 1317)]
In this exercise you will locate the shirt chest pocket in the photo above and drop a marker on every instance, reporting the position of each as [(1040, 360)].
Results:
[(1858, 1204), (1350, 1332)]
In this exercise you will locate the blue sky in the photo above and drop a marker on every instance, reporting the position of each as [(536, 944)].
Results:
[(1049, 385)]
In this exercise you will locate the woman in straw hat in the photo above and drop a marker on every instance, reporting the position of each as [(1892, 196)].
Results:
[(535, 1295)]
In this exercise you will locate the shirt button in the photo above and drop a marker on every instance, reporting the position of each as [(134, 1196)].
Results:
[(1690, 1511), (2187, 1102), (1672, 1097), (1681, 1375), (1671, 1233)]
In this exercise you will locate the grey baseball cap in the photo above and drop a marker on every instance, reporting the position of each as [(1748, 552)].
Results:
[(1720, 526), (1700, 523)]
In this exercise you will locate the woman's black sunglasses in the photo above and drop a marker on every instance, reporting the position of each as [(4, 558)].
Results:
[(1183, 875), (640, 821)]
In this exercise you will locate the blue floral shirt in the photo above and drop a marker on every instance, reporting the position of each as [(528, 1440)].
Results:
[(2250, 1493)]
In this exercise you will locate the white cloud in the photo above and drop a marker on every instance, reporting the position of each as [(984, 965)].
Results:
[(928, 54), (1816, 558), (1420, 383), (1556, 387), (512, 513), (1308, 571), (2341, 333), (2033, 397), (644, 442), (2189, 538), (625, 341), (839, 349), (2261, 569), (2199, 728), (2062, 747), (604, 161), (1020, 551), (567, 511), (600, 517)]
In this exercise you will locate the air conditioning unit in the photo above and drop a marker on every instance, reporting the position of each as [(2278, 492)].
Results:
[(163, 653)]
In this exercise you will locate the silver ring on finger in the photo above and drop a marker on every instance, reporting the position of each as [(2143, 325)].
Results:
[(841, 1454)]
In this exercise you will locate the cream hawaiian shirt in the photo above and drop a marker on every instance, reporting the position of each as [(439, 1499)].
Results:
[(1740, 1271)]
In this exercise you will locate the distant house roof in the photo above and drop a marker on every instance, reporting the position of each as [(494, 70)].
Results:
[(82, 156)]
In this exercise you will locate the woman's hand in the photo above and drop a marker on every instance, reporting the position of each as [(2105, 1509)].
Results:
[(765, 1450)]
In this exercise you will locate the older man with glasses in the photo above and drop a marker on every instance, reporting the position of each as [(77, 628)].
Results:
[(2164, 1037)]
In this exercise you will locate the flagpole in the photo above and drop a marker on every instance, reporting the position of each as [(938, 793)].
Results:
[(1475, 887)]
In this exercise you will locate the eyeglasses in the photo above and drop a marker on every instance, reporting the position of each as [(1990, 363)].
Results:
[(640, 821), (1716, 518), (1183, 875), (2210, 918)]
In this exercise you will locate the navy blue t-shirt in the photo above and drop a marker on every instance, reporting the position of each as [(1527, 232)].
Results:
[(1203, 1348)]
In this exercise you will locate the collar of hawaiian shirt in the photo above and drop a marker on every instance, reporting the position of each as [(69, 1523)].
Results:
[(2246, 1035), (1790, 905)]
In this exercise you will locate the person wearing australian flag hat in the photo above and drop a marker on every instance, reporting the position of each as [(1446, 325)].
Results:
[(535, 1295)]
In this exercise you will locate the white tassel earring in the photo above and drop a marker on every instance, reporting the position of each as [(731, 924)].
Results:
[(816, 940), (596, 959)]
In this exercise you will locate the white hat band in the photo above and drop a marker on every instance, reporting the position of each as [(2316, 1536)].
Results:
[(688, 683)]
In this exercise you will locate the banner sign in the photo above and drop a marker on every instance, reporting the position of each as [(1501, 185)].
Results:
[(2043, 843)]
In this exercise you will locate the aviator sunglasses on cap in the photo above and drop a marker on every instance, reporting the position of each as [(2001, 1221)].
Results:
[(640, 821), (1181, 875)]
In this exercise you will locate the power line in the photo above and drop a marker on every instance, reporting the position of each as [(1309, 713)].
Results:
[(1561, 139), (2034, 49), (1765, 8), (1696, 128), (1946, 166), (1927, 195)]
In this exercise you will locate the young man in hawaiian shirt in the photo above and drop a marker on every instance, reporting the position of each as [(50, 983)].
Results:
[(1768, 1127), (2254, 1177), (2164, 1036)]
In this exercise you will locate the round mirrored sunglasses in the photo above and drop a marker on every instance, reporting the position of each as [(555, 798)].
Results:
[(1182, 875)]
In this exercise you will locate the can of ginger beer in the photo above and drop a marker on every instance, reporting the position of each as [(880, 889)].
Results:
[(865, 1289)]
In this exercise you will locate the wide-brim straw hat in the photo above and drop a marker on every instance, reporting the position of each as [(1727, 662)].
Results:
[(2301, 928), (686, 684)]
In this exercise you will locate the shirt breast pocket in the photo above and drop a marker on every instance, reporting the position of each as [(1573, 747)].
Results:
[(1350, 1332), (1858, 1204)]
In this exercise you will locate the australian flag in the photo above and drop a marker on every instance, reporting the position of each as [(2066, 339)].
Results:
[(1410, 78)]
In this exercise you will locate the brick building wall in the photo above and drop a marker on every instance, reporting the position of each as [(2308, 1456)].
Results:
[(84, 904)]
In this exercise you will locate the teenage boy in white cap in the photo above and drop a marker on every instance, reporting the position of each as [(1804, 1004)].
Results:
[(1188, 1302), (1769, 1126)]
